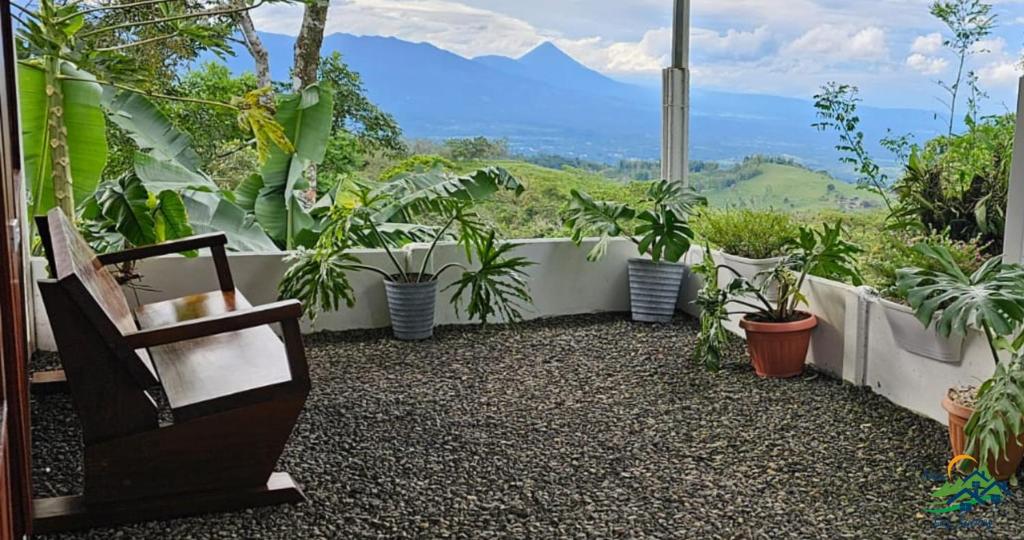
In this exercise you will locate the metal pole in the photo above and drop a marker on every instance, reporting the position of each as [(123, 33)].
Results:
[(676, 100), (1013, 239)]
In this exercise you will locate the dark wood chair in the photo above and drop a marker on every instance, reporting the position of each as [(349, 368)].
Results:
[(234, 389)]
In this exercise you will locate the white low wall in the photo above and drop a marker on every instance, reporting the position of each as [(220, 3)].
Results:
[(853, 340), (562, 282)]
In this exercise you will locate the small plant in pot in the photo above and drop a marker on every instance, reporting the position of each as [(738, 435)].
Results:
[(985, 422), (778, 332), (493, 280), (750, 241), (661, 232)]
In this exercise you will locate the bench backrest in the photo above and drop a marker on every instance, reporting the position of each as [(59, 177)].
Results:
[(90, 315)]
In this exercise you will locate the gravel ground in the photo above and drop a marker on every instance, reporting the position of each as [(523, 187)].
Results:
[(577, 427)]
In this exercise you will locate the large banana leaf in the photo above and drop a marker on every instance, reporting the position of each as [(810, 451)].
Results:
[(210, 212), (86, 134), (159, 173), (150, 128), (306, 118)]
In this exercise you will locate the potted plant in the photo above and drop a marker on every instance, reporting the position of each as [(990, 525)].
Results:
[(748, 241), (380, 216), (778, 332), (896, 251), (662, 235), (986, 421)]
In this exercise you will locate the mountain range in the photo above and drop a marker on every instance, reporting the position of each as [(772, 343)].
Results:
[(547, 102)]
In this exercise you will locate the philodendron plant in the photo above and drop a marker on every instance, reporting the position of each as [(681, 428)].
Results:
[(389, 216), (822, 253), (991, 300), (661, 229)]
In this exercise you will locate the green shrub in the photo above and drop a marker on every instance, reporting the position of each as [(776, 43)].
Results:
[(754, 234), (417, 164), (893, 251)]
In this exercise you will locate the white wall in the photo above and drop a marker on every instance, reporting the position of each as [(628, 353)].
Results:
[(562, 283)]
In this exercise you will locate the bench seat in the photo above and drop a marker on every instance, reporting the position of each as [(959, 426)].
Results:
[(198, 373)]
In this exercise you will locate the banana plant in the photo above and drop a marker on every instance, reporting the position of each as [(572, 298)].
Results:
[(661, 230), (496, 287), (277, 195), (166, 195), (63, 74)]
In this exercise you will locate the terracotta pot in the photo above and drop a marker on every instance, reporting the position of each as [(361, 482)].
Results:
[(1002, 469), (778, 350)]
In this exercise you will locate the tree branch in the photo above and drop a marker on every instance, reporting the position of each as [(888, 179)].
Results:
[(151, 94), (147, 41), (196, 15), (110, 7)]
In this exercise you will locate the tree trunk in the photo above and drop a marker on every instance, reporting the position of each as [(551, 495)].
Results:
[(256, 48), (307, 62), (57, 134), (308, 43)]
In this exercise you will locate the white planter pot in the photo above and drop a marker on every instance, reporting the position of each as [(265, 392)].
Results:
[(914, 338), (748, 269)]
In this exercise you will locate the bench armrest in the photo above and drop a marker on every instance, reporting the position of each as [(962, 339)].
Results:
[(215, 241), (277, 312)]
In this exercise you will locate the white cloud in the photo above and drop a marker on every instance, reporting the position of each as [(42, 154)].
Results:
[(927, 65), (730, 44), (785, 47), (999, 74), (927, 45), (835, 43)]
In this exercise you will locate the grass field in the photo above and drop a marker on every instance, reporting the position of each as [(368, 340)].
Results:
[(784, 187), (535, 214)]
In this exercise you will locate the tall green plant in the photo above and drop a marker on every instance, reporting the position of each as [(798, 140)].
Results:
[(63, 69), (836, 107), (969, 22), (990, 299), (382, 217), (278, 203), (661, 230)]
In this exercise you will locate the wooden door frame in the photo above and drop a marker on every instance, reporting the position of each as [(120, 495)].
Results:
[(16, 462)]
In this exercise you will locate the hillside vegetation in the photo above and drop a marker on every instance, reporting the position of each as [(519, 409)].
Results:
[(765, 185), (782, 187)]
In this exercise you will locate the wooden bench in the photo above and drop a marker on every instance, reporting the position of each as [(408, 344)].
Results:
[(235, 390)]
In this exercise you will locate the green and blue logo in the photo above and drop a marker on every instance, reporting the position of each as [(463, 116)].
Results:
[(963, 493)]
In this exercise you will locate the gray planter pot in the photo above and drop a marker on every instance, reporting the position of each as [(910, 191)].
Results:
[(654, 289), (411, 306)]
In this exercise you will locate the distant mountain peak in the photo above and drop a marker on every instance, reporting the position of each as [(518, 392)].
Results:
[(547, 51)]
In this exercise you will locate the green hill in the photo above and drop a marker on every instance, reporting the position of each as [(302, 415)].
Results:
[(784, 187)]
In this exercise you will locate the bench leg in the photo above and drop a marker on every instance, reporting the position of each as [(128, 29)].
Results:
[(67, 513), (46, 383)]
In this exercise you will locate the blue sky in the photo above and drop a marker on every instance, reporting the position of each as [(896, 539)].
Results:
[(891, 49)]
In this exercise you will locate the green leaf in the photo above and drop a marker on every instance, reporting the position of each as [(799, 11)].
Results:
[(171, 217), (209, 212), (166, 174), (439, 192), (497, 288), (150, 128), (86, 134), (586, 217), (125, 203), (307, 123), (991, 299), (247, 192)]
